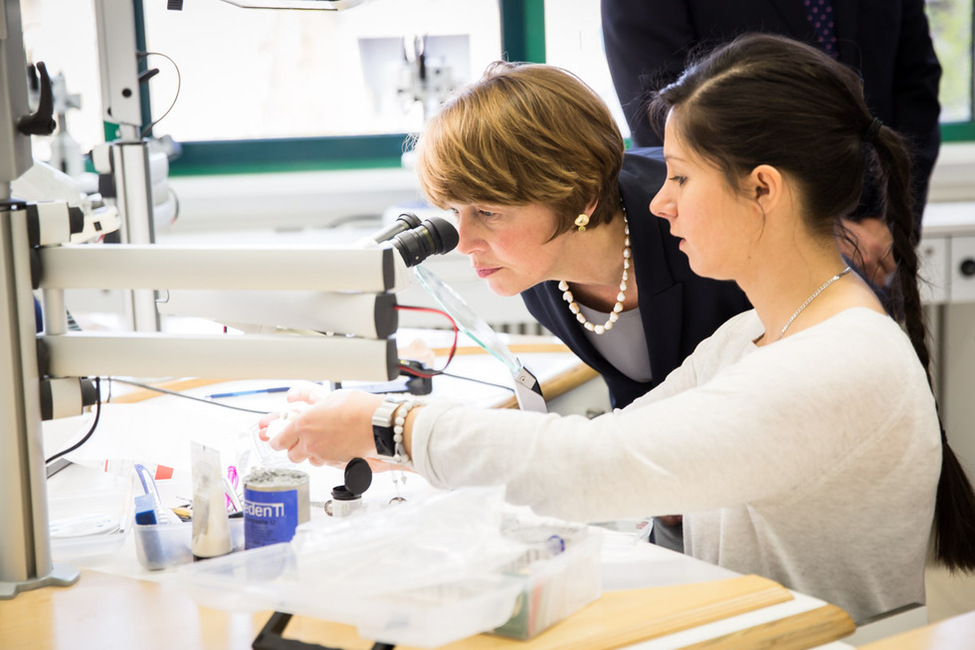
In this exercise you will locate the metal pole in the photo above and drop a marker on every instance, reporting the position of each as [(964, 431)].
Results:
[(25, 544), (130, 164), (121, 102)]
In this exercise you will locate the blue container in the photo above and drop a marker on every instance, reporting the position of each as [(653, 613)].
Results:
[(275, 502)]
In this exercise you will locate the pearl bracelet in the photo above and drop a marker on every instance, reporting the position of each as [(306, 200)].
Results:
[(399, 454)]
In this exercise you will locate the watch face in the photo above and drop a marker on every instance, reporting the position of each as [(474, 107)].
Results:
[(382, 428), (384, 440)]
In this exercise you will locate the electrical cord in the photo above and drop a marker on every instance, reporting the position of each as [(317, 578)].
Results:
[(179, 83), (408, 370), (91, 430), (403, 367), (174, 393), (111, 380), (176, 205), (412, 371), (478, 381)]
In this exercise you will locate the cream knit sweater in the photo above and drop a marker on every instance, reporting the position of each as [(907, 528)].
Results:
[(812, 461)]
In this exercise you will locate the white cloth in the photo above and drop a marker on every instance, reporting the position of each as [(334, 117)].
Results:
[(812, 461)]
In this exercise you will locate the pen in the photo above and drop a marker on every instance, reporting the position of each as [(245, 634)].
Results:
[(256, 391)]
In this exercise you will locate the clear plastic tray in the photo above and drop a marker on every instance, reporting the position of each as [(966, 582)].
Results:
[(423, 574), (89, 523)]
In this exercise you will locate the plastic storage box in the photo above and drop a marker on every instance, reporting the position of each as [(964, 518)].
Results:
[(422, 574), (162, 546), (554, 588)]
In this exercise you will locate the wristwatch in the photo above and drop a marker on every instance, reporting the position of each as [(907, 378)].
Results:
[(382, 428)]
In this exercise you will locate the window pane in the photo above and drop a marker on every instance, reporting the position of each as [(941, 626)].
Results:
[(62, 35), (258, 73), (574, 41), (951, 28)]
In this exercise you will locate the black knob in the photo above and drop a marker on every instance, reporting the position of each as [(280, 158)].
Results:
[(42, 122), (968, 267)]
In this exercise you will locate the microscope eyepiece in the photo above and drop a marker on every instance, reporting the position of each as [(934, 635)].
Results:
[(435, 236), (402, 223)]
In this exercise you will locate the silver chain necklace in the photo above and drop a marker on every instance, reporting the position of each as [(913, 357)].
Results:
[(810, 299)]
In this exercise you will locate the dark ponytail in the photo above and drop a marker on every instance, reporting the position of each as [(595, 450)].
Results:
[(954, 515)]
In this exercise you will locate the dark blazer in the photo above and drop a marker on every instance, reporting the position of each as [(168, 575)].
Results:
[(679, 309), (887, 41)]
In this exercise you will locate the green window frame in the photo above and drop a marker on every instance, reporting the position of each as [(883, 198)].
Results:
[(957, 132)]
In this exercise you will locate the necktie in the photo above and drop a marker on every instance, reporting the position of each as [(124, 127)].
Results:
[(820, 16)]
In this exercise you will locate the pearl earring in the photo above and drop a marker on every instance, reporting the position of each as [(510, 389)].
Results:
[(582, 221)]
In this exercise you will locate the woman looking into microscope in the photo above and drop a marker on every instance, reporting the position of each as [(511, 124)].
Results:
[(547, 205)]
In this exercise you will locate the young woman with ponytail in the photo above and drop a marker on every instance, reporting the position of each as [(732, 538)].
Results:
[(801, 440)]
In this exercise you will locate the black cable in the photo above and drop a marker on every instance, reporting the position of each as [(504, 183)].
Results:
[(98, 404), (84, 439), (175, 196), (185, 396), (478, 381), (179, 83), (98, 409)]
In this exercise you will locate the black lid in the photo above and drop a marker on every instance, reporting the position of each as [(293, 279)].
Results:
[(358, 476)]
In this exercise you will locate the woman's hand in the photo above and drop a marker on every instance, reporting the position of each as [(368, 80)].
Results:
[(307, 393), (335, 428), (870, 249), (300, 396)]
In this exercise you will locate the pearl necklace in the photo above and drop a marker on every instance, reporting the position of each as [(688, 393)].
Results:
[(810, 299), (614, 315)]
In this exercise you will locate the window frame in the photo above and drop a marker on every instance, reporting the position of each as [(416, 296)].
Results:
[(964, 132), (522, 39), (957, 132)]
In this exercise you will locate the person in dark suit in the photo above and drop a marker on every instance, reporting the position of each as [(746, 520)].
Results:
[(531, 162), (888, 42)]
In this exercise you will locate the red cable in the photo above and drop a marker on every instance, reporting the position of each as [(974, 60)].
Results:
[(453, 347)]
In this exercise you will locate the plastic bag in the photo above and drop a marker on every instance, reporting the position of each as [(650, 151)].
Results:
[(425, 573)]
